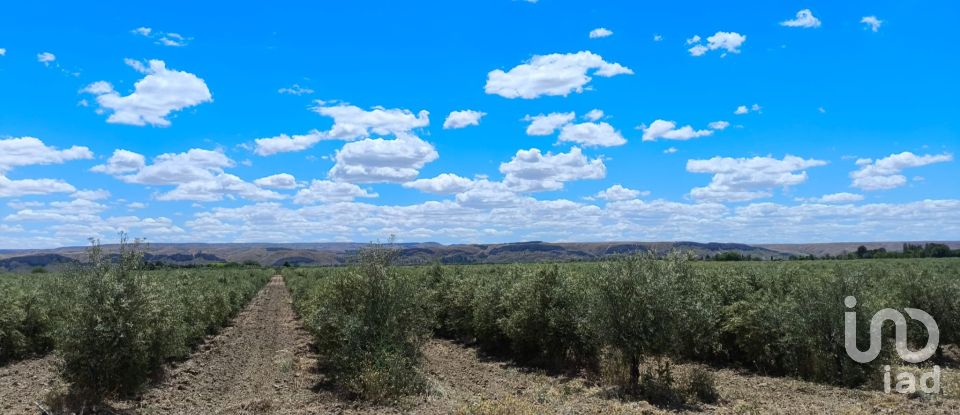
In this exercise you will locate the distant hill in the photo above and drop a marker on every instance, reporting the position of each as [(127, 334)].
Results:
[(423, 253), (837, 248), (410, 253)]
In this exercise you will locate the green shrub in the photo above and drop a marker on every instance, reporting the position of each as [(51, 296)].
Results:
[(369, 322), (544, 319), (635, 306), (116, 324), (702, 385), (118, 330)]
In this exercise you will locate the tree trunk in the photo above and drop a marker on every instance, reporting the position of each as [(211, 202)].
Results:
[(634, 372)]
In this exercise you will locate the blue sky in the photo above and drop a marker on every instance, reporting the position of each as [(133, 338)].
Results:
[(352, 121)]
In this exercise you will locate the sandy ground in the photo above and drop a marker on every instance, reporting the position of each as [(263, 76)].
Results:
[(263, 364)]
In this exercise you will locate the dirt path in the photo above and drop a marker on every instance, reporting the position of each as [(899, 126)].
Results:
[(24, 383), (261, 364)]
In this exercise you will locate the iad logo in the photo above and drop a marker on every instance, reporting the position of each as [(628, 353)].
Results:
[(906, 381)]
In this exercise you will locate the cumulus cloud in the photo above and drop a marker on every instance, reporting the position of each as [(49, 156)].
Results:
[(885, 173), (668, 130), (197, 175), (740, 179), (618, 193), (549, 123), (349, 123), (28, 151), (552, 75), (325, 191), (277, 181), (600, 32), (804, 19), (730, 42), (743, 109), (381, 160), (872, 22), (446, 183), (591, 134), (161, 92), (121, 162), (464, 118), (532, 171), (3, 52)]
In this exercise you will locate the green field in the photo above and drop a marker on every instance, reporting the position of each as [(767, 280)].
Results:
[(114, 323), (776, 318)]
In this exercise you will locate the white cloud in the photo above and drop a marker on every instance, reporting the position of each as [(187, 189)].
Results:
[(445, 183), (728, 41), (46, 57), (277, 181), (547, 124), (28, 151), (600, 32), (484, 194), (142, 31), (594, 115), (657, 38), (162, 38), (136, 205), (842, 197), (284, 143), (325, 191), (698, 50), (216, 188), (3, 52), (885, 173), (670, 150), (159, 93), (121, 162), (872, 22), (531, 171), (465, 118), (349, 123), (740, 179), (591, 134), (24, 187), (197, 175), (99, 194), (553, 75), (743, 109), (172, 39), (617, 193), (296, 89), (803, 19), (380, 160), (668, 130), (718, 125)]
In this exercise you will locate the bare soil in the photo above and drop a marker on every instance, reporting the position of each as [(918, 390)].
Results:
[(264, 364)]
